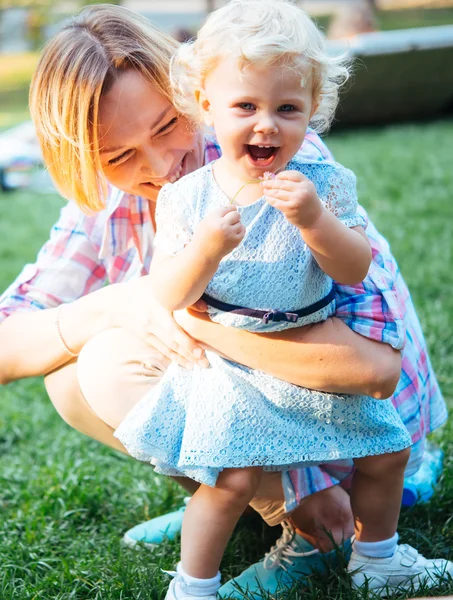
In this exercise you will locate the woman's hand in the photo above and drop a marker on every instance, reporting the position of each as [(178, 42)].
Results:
[(134, 308)]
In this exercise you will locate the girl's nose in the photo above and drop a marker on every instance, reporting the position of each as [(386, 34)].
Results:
[(266, 124)]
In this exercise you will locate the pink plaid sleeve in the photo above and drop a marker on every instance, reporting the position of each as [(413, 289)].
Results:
[(67, 266)]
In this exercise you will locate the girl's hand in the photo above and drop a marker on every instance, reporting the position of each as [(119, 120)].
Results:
[(134, 308), (295, 196), (219, 233)]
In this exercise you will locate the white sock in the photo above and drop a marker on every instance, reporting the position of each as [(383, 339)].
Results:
[(383, 549), (199, 587)]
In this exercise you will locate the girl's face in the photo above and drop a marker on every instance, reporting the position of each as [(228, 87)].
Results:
[(144, 143), (260, 115)]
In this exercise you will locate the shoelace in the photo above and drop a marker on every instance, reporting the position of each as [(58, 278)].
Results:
[(285, 550)]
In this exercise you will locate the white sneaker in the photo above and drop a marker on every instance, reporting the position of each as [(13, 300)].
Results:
[(180, 590), (406, 569)]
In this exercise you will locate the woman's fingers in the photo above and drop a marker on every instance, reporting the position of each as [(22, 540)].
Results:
[(177, 341), (171, 355), (199, 306)]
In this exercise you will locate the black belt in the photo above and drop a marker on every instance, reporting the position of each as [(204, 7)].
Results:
[(270, 315)]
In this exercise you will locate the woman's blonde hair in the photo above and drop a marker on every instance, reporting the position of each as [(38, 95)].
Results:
[(265, 32), (79, 64)]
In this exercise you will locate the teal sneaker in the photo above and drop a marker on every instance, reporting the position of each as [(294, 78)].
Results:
[(291, 560), (153, 532)]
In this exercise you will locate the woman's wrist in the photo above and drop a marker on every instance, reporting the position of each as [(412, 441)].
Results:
[(79, 321)]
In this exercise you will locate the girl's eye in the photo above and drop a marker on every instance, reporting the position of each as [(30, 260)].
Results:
[(287, 108), (118, 159), (246, 105), (168, 126)]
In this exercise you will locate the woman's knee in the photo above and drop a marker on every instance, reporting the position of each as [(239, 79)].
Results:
[(115, 370), (64, 392)]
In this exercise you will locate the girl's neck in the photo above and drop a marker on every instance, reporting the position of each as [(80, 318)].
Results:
[(244, 191)]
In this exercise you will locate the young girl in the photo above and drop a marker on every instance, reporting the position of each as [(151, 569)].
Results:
[(262, 251)]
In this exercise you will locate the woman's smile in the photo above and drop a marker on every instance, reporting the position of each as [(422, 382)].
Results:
[(171, 177)]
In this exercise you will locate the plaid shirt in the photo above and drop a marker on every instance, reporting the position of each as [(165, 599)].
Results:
[(114, 245)]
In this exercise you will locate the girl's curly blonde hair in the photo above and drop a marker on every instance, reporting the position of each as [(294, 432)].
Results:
[(264, 32)]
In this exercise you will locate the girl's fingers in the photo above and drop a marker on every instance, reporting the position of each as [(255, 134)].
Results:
[(228, 209), (232, 218), (275, 203), (238, 228), (290, 176), (281, 184), (284, 195)]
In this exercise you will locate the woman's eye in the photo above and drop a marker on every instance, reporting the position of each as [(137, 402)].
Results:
[(287, 108), (246, 106), (169, 125), (118, 159)]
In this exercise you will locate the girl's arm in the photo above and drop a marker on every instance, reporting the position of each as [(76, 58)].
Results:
[(180, 280), (326, 356), (342, 252)]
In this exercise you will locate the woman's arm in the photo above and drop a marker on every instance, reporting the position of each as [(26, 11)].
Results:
[(30, 344), (327, 356)]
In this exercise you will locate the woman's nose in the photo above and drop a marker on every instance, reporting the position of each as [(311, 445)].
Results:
[(155, 163), (266, 124)]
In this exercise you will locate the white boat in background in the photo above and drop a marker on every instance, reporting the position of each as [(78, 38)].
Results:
[(399, 75)]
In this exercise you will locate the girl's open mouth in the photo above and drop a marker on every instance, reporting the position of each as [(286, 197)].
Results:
[(261, 156)]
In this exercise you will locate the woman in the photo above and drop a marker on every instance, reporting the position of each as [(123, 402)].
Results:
[(100, 103)]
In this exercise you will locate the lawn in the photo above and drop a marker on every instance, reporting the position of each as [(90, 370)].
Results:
[(65, 500)]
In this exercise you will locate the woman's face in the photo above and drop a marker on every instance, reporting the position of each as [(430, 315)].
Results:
[(144, 143)]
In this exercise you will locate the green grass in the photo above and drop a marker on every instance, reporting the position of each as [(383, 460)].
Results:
[(65, 500)]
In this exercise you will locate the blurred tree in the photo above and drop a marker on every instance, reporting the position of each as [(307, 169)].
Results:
[(44, 12), (47, 4)]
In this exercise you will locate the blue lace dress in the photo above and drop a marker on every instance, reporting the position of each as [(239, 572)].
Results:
[(196, 423)]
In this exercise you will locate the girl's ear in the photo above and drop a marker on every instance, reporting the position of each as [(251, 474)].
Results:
[(204, 107), (314, 106)]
